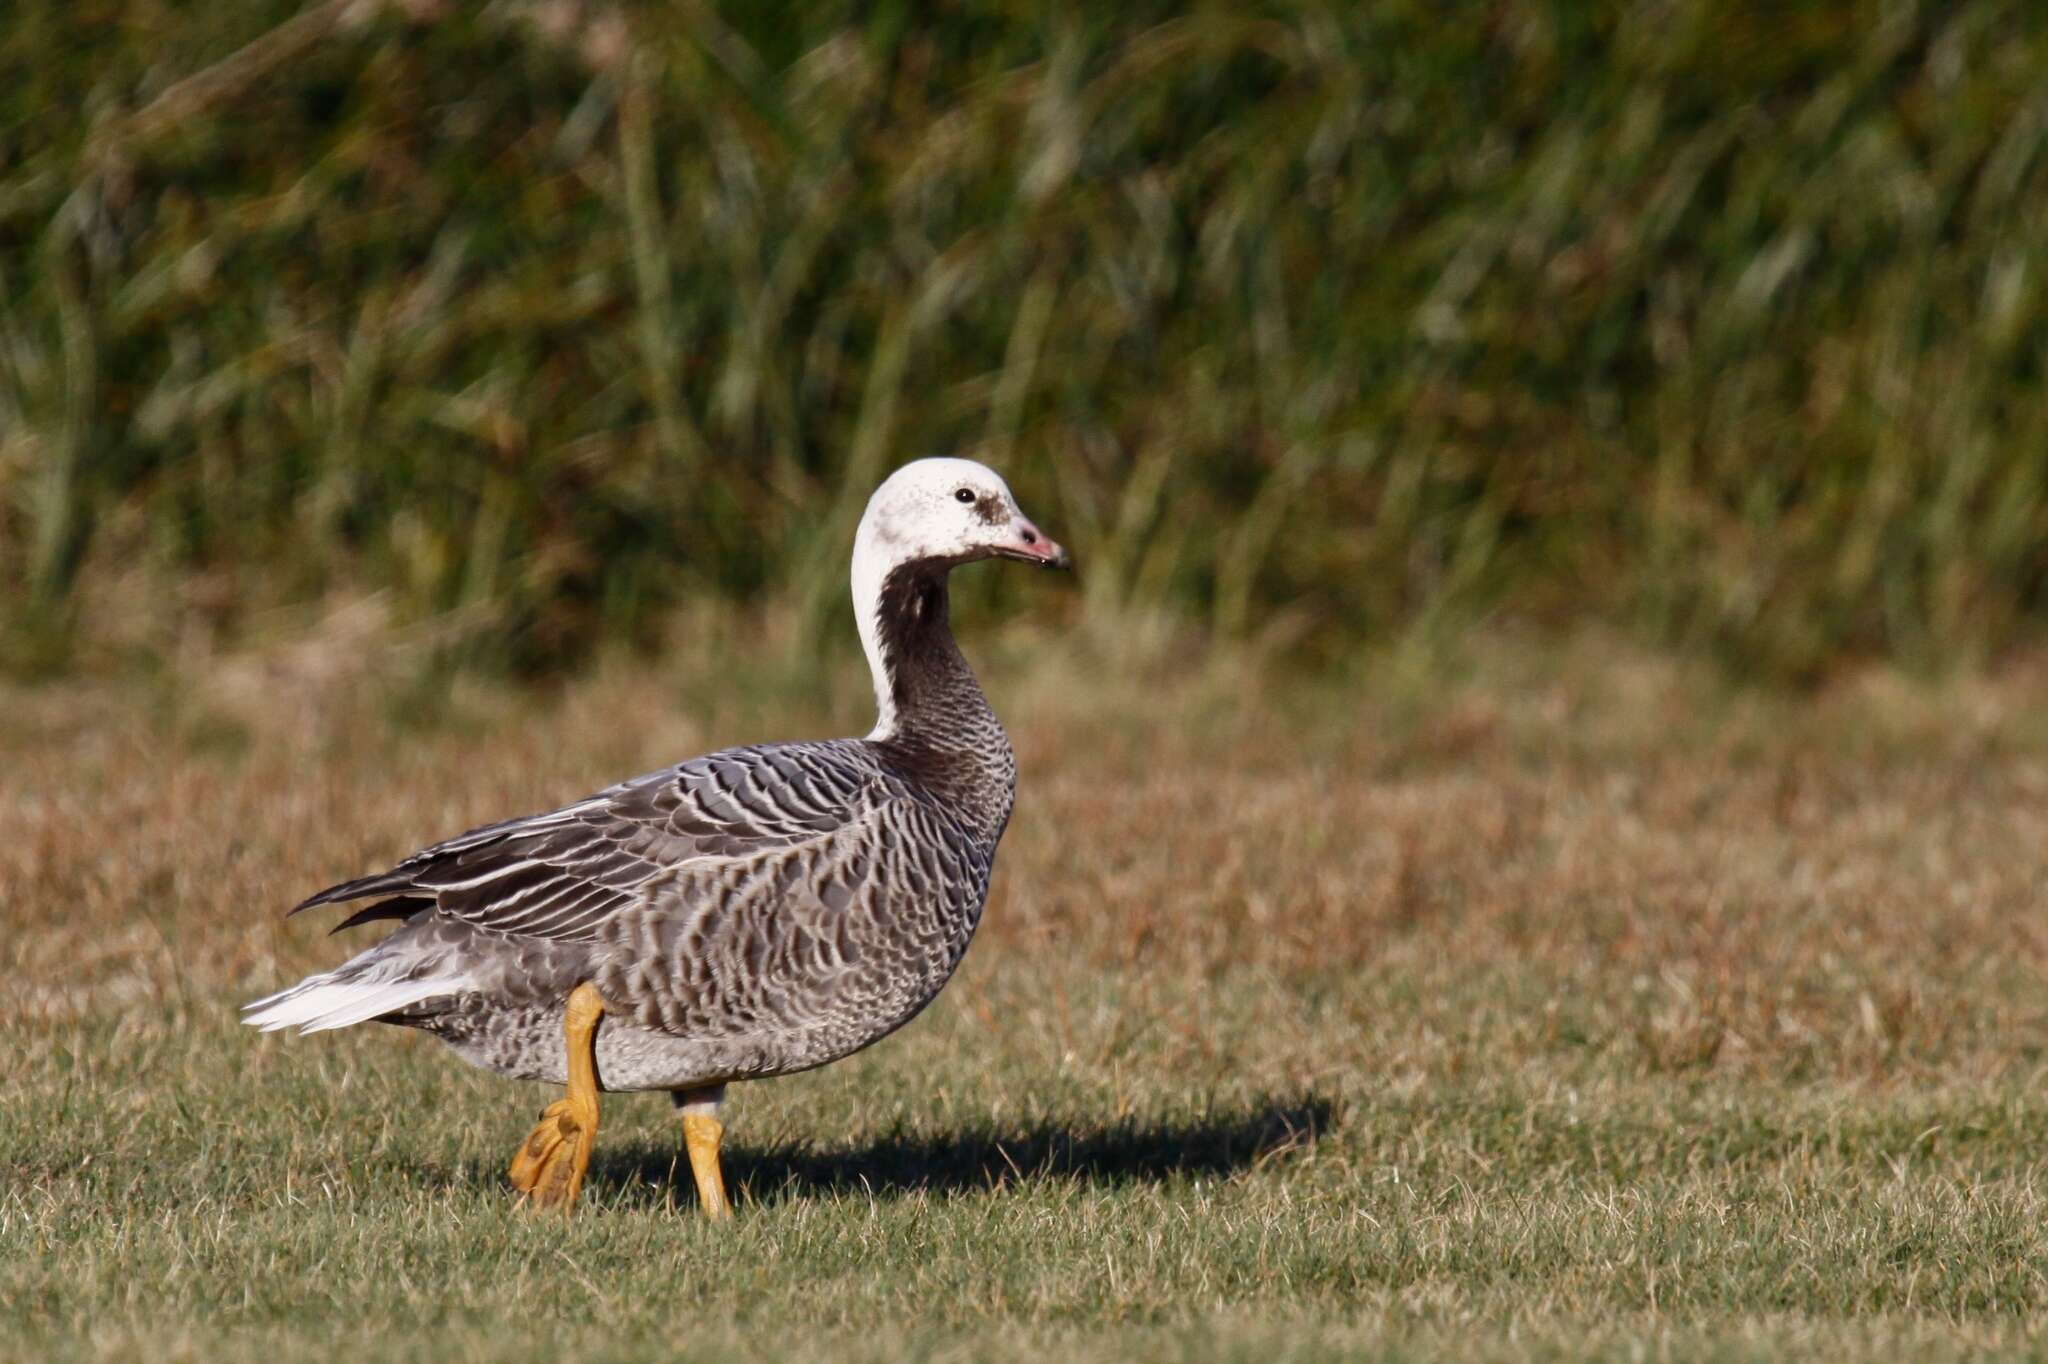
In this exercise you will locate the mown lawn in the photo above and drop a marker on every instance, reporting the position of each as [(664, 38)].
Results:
[(1572, 1006)]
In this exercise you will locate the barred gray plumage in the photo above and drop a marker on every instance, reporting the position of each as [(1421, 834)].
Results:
[(756, 911)]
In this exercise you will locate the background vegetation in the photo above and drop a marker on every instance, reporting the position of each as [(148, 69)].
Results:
[(1310, 323)]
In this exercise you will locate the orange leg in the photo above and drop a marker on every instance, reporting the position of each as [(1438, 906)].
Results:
[(702, 1133), (551, 1161)]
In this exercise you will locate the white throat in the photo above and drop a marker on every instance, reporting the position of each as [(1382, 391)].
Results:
[(871, 564)]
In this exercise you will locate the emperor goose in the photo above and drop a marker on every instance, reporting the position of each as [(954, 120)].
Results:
[(750, 913)]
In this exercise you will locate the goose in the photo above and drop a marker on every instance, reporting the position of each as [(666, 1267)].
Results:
[(754, 912)]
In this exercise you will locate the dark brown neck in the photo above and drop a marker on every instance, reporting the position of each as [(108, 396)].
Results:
[(932, 690), (944, 732)]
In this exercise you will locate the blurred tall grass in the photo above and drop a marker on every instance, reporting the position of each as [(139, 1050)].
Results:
[(1310, 323)]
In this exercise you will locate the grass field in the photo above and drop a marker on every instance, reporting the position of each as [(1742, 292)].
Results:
[(1559, 1004)]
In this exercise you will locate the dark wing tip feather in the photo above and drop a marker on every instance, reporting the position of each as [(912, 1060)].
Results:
[(404, 907), (383, 883)]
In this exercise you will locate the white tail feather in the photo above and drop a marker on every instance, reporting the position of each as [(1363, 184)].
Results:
[(318, 1003)]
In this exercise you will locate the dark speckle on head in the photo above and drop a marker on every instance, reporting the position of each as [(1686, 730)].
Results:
[(991, 510)]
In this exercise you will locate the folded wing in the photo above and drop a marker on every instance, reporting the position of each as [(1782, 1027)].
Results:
[(562, 874)]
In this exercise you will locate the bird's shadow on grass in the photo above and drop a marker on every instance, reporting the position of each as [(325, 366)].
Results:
[(1112, 1153)]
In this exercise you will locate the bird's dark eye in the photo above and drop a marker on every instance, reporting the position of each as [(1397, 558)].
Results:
[(963, 495)]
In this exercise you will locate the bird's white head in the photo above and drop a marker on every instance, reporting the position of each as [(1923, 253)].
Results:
[(946, 512), (930, 516)]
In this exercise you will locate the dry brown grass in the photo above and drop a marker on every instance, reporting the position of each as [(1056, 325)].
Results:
[(1847, 881)]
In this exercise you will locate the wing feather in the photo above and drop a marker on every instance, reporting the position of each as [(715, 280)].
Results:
[(563, 873)]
